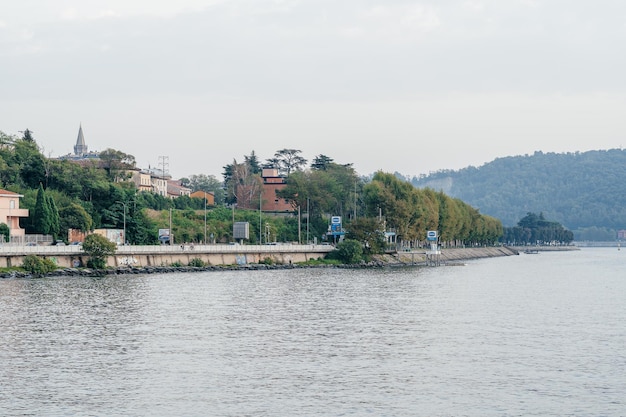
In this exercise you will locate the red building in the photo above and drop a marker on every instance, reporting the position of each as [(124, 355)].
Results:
[(272, 183)]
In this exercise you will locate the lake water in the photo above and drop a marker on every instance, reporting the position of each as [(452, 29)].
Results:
[(529, 335)]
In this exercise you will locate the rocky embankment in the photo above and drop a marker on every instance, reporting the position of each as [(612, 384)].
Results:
[(448, 256), (415, 258)]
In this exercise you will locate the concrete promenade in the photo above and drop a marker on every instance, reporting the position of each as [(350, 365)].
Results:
[(164, 255)]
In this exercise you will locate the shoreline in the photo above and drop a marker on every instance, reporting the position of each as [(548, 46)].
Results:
[(447, 257)]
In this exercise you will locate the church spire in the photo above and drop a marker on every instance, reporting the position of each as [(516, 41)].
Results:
[(80, 148)]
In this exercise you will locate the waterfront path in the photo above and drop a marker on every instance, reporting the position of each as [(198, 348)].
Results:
[(164, 255)]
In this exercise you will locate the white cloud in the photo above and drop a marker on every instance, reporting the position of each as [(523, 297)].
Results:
[(404, 22), (69, 14), (474, 5), (530, 3)]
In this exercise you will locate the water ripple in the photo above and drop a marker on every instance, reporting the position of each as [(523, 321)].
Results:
[(539, 335)]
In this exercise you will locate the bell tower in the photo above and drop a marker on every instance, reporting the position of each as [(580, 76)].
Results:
[(80, 148)]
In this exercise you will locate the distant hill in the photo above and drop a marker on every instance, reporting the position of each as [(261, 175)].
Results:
[(584, 191)]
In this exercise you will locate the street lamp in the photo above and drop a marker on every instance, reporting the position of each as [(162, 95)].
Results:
[(171, 235), (10, 219), (124, 233)]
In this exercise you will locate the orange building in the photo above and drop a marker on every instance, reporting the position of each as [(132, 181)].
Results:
[(10, 213), (210, 197)]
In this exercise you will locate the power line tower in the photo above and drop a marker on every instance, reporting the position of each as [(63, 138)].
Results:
[(164, 163)]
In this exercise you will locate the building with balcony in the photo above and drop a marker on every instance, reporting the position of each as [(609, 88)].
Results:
[(10, 213)]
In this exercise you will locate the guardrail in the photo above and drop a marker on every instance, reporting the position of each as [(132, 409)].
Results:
[(138, 249)]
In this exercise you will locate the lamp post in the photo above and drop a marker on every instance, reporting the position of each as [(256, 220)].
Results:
[(171, 231), (205, 217), (124, 233), (10, 219)]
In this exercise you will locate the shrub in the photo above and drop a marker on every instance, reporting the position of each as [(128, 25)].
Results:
[(98, 248), (197, 262), (349, 252), (36, 265), (96, 263), (176, 264)]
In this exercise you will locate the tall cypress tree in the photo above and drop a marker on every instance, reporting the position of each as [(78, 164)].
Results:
[(54, 217), (41, 216)]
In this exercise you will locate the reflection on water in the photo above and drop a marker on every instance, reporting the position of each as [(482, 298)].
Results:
[(527, 335)]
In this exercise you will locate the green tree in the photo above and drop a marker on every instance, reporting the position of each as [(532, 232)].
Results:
[(74, 216), (116, 163), (28, 136), (55, 226), (288, 161), (349, 252), (321, 162), (369, 232), (42, 217), (253, 163), (534, 228), (98, 248)]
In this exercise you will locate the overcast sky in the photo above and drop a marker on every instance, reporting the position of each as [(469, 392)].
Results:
[(406, 86)]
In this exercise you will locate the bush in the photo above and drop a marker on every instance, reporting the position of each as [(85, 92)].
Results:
[(98, 248), (349, 252), (36, 265), (197, 262), (97, 263)]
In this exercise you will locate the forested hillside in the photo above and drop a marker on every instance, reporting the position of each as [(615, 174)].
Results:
[(586, 192)]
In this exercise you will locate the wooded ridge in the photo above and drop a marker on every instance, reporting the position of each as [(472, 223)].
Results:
[(584, 191)]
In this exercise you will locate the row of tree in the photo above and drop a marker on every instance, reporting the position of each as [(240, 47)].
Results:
[(411, 212)]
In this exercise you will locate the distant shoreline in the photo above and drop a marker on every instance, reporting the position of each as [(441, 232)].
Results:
[(546, 248)]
